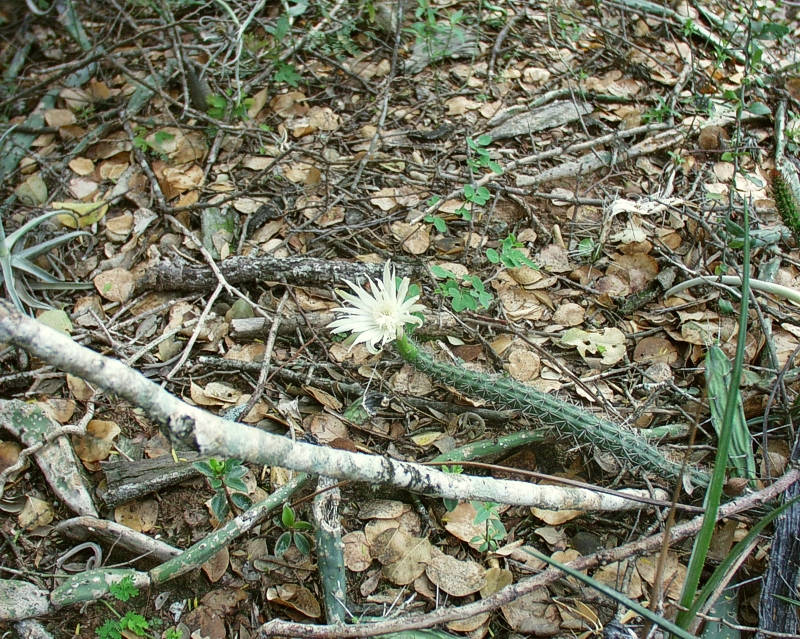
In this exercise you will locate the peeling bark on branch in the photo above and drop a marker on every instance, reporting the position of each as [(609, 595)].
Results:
[(298, 271)]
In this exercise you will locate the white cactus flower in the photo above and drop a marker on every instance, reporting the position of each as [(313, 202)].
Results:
[(378, 316)]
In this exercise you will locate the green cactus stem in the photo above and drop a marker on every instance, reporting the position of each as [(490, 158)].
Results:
[(566, 420)]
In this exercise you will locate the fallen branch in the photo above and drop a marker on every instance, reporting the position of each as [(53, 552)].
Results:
[(189, 426), (515, 591)]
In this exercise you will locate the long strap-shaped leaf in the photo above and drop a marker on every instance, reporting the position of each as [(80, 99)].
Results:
[(567, 420)]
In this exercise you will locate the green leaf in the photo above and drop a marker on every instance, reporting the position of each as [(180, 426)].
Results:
[(759, 108), (234, 483), (219, 506), (56, 319), (109, 630), (235, 469), (286, 73), (216, 107), (162, 137), (281, 28), (492, 256), (495, 167), (298, 9), (287, 516), (450, 503), (134, 622), (769, 30), (441, 273), (283, 543), (302, 543), (124, 589), (485, 139), (241, 501), (205, 468)]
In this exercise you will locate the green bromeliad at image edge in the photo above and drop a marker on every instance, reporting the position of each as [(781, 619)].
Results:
[(383, 314)]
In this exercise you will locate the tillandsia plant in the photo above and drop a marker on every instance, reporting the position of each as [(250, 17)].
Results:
[(382, 316)]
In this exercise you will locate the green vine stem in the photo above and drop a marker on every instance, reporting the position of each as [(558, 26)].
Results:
[(565, 419)]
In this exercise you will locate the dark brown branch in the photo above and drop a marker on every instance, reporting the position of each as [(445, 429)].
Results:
[(298, 271)]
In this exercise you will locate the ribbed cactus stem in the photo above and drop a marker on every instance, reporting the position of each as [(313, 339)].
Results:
[(566, 420)]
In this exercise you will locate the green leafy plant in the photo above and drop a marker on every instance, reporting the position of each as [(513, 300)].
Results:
[(17, 262), (481, 158), (433, 33), (488, 513), (225, 478), (462, 297), (131, 623), (218, 106), (286, 73), (294, 532), (589, 250), (154, 146), (509, 254), (479, 195), (659, 113)]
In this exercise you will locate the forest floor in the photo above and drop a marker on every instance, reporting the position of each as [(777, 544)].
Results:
[(546, 174)]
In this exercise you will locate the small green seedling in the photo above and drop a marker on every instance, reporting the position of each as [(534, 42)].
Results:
[(510, 254), (481, 159), (294, 532), (488, 513), (225, 479), (218, 106), (478, 196), (462, 297), (131, 624)]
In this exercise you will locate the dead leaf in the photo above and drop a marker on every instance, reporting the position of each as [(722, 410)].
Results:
[(36, 513), (655, 348), (415, 556), (415, 238), (356, 551), (569, 314), (141, 516), (9, 454), (554, 259), (296, 597), (610, 344), (98, 442), (456, 577), (326, 427), (389, 198), (216, 567), (57, 118), (555, 517), (115, 285), (533, 614), (85, 213), (80, 390), (408, 380), (523, 365)]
